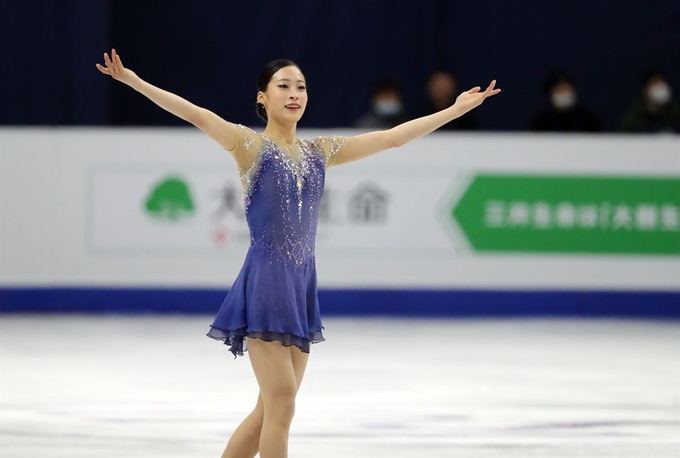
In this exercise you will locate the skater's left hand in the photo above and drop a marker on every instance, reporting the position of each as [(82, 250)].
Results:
[(473, 98)]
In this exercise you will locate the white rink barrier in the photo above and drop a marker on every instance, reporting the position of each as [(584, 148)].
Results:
[(161, 208)]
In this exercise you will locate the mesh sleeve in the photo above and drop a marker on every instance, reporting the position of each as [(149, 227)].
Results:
[(330, 147), (247, 146)]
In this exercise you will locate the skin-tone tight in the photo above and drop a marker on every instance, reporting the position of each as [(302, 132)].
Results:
[(279, 371)]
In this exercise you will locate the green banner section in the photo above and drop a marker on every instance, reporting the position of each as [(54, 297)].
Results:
[(571, 214)]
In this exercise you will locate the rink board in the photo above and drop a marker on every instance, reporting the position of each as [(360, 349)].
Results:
[(510, 223)]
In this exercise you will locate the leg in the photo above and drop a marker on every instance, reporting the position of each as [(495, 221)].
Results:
[(300, 359), (244, 442), (273, 366)]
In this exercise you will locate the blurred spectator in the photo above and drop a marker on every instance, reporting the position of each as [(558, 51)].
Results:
[(442, 90), (565, 113), (654, 110), (387, 106)]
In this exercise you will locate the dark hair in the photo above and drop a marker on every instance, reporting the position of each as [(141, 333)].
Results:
[(652, 73), (441, 71), (383, 85), (263, 81), (557, 77)]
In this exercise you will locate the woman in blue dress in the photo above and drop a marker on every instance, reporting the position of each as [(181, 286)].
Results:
[(272, 309)]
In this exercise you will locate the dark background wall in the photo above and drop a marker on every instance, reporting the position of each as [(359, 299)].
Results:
[(210, 52)]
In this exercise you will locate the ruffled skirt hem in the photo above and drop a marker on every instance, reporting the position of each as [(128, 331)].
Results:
[(237, 344)]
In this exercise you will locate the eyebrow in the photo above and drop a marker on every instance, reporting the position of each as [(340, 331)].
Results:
[(288, 79)]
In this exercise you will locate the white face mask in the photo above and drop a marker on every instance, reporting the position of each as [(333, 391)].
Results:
[(659, 93), (563, 100), (387, 107)]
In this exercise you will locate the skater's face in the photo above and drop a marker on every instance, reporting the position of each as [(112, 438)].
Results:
[(286, 95)]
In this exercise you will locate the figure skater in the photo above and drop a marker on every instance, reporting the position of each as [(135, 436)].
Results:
[(272, 309)]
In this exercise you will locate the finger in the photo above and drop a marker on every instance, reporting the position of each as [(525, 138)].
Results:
[(491, 86), (494, 92), (103, 70), (474, 90), (109, 64), (115, 58), (119, 62), (114, 66)]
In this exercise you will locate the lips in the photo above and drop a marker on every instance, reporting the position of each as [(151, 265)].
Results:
[(293, 106)]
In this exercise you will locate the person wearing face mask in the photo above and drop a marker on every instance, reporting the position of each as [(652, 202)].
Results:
[(565, 113), (442, 89), (654, 110), (387, 106)]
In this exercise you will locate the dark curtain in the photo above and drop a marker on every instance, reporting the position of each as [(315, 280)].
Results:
[(211, 52), (48, 50)]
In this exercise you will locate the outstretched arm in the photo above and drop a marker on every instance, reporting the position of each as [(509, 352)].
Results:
[(365, 145), (223, 132)]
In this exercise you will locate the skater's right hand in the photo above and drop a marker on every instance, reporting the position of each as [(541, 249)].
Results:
[(114, 68)]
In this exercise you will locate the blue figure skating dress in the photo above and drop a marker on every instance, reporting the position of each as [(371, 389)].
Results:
[(274, 297)]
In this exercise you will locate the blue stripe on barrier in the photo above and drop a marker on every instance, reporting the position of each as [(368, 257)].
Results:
[(427, 303)]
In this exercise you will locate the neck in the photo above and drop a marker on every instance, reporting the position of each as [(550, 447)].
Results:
[(284, 133)]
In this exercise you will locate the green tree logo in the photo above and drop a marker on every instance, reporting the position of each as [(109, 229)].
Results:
[(170, 199)]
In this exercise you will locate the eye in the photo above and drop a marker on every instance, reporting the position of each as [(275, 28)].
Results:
[(302, 88), (284, 86)]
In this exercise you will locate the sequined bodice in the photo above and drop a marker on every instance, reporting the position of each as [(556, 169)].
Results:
[(282, 190)]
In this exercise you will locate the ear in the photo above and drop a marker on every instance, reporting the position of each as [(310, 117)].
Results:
[(260, 97)]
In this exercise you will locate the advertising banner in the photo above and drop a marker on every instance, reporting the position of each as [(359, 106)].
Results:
[(158, 207)]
